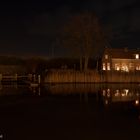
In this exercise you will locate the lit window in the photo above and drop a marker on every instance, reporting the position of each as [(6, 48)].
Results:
[(117, 67), (104, 67), (137, 67), (137, 56), (124, 67), (131, 66), (106, 56), (108, 66)]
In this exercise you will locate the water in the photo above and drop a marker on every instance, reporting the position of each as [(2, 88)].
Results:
[(70, 112)]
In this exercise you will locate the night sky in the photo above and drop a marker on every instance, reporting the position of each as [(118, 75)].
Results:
[(27, 28)]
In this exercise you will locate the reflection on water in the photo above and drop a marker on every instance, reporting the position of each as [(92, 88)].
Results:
[(121, 95), (73, 88), (12, 89), (110, 93), (105, 111)]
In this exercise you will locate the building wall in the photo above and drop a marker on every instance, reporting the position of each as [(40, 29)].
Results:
[(126, 64), (119, 64)]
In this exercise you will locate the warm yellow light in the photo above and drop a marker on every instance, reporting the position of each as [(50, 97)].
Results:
[(126, 91), (136, 102), (104, 92), (118, 68), (124, 68), (106, 56), (108, 66), (137, 56), (106, 102), (104, 67), (117, 93)]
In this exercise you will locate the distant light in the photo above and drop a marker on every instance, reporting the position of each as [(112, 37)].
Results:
[(126, 91), (104, 92), (106, 56), (106, 102), (108, 94), (104, 66), (108, 66), (117, 68), (136, 102), (137, 56)]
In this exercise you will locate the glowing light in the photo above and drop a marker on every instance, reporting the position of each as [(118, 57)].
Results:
[(124, 68), (108, 66), (106, 102), (106, 56), (123, 94), (136, 102), (138, 67), (126, 91), (117, 67), (104, 67), (104, 92), (117, 93), (108, 92), (137, 56)]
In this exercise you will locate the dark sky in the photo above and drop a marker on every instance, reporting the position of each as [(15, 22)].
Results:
[(26, 28)]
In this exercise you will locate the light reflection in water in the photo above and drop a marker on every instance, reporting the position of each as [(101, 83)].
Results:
[(120, 95), (108, 93)]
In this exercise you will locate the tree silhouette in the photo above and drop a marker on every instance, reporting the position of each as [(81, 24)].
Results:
[(83, 34)]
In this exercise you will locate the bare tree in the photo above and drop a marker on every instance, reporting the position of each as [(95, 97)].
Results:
[(82, 32)]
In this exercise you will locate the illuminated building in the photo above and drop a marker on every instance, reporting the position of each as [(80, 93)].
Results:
[(121, 60)]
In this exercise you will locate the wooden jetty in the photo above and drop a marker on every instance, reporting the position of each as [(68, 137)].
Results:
[(31, 79)]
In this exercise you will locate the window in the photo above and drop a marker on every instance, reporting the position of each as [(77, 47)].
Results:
[(104, 67), (131, 66), (124, 67), (117, 67), (137, 67), (106, 56), (108, 66), (137, 56)]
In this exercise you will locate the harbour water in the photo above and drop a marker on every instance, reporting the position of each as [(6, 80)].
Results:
[(70, 111)]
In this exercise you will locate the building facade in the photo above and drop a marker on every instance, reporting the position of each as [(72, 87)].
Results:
[(125, 60)]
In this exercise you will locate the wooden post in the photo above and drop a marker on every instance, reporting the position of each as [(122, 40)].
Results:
[(0, 77), (16, 77), (39, 79)]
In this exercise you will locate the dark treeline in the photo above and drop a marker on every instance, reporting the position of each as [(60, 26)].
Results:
[(68, 63), (39, 65)]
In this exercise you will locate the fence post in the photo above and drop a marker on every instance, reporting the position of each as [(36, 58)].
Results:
[(0, 77), (39, 79)]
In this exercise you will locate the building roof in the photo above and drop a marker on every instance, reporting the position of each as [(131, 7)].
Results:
[(122, 53)]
